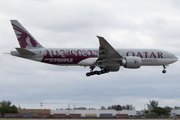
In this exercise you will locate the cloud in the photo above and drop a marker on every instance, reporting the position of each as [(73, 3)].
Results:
[(75, 24)]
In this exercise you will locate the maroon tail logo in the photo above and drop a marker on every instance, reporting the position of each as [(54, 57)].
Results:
[(24, 38)]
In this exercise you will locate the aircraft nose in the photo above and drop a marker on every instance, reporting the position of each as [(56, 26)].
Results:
[(175, 58)]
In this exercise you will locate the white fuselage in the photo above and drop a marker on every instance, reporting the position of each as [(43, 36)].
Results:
[(74, 56)]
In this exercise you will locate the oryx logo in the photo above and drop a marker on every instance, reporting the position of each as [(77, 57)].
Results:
[(24, 38)]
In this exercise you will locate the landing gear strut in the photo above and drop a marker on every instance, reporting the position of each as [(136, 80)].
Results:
[(164, 69), (102, 71), (91, 71)]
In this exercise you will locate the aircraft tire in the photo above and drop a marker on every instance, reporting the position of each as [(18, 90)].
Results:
[(106, 70), (92, 73), (88, 74), (164, 71), (99, 73), (103, 71), (95, 72)]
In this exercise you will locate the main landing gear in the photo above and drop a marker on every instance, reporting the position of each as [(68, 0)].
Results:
[(164, 69), (102, 71)]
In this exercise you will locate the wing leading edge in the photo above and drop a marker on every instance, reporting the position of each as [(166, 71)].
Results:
[(107, 54)]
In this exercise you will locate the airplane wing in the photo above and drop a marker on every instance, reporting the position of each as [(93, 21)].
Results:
[(107, 54)]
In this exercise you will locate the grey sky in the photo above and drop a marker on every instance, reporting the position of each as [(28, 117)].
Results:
[(75, 24)]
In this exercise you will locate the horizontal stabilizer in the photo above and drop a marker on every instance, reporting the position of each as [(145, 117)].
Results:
[(25, 51)]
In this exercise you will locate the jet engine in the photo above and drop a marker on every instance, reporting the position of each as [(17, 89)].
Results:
[(132, 62)]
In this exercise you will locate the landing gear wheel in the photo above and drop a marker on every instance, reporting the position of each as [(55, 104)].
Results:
[(92, 73), (95, 72), (88, 74), (106, 70), (103, 71), (164, 71), (99, 73)]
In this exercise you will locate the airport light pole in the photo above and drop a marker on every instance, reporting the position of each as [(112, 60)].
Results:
[(41, 105)]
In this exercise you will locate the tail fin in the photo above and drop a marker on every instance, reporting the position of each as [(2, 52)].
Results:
[(25, 39)]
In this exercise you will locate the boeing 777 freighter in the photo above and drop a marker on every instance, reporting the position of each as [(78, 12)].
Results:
[(107, 58)]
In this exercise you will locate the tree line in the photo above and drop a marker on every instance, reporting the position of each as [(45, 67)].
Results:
[(153, 110), (6, 107), (118, 107)]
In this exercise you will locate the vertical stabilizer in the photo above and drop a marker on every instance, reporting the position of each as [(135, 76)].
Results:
[(25, 39)]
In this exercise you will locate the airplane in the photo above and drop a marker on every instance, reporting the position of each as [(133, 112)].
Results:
[(107, 58)]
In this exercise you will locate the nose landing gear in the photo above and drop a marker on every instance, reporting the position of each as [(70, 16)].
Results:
[(164, 69)]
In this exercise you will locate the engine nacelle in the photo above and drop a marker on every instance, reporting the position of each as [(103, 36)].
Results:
[(132, 62)]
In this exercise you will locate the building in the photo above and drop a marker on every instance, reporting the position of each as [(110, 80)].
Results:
[(106, 115), (43, 115), (59, 116), (90, 115), (11, 115), (175, 113), (139, 113), (35, 111), (27, 115), (74, 115), (122, 116), (85, 113)]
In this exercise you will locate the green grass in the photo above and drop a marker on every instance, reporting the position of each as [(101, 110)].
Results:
[(16, 119)]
